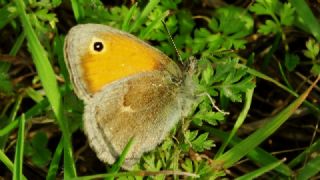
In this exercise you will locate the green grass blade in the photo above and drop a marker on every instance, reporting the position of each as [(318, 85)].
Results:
[(310, 169), (54, 165), (58, 49), (146, 31), (258, 155), (309, 20), (41, 61), (34, 111), (239, 122), (150, 6), (6, 15), (6, 161), (267, 78), (259, 172), (34, 95), (302, 156), (4, 138), (273, 49), (237, 152), (283, 75), (4, 67), (18, 158), (17, 45), (126, 21), (117, 165), (77, 9), (49, 83)]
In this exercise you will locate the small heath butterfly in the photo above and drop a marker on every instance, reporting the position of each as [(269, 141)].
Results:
[(129, 88)]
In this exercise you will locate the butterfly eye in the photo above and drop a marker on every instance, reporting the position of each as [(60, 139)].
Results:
[(98, 46)]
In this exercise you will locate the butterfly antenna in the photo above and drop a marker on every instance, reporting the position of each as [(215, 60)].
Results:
[(171, 40)]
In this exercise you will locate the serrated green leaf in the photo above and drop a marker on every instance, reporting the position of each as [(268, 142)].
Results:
[(191, 135), (312, 49), (234, 82), (187, 165), (291, 61), (151, 163), (207, 74), (268, 28), (242, 23), (287, 14), (265, 7), (186, 23), (200, 40), (209, 117), (201, 143)]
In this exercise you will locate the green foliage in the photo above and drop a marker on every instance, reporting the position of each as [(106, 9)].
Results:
[(233, 36), (221, 35), (205, 114), (5, 83), (291, 61), (161, 158), (268, 28), (202, 167), (95, 12), (7, 13), (265, 7), (315, 69), (282, 14), (37, 150), (312, 53), (197, 142), (312, 49), (287, 15), (42, 19), (226, 80)]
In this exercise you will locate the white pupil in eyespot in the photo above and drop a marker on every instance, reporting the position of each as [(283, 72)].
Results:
[(98, 46)]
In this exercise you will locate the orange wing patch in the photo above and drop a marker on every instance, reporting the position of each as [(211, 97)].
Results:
[(120, 58)]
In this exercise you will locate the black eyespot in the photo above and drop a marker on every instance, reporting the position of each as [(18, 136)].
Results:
[(98, 46)]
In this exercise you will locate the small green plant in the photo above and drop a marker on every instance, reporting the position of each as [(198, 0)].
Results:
[(281, 14), (312, 52), (37, 149)]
